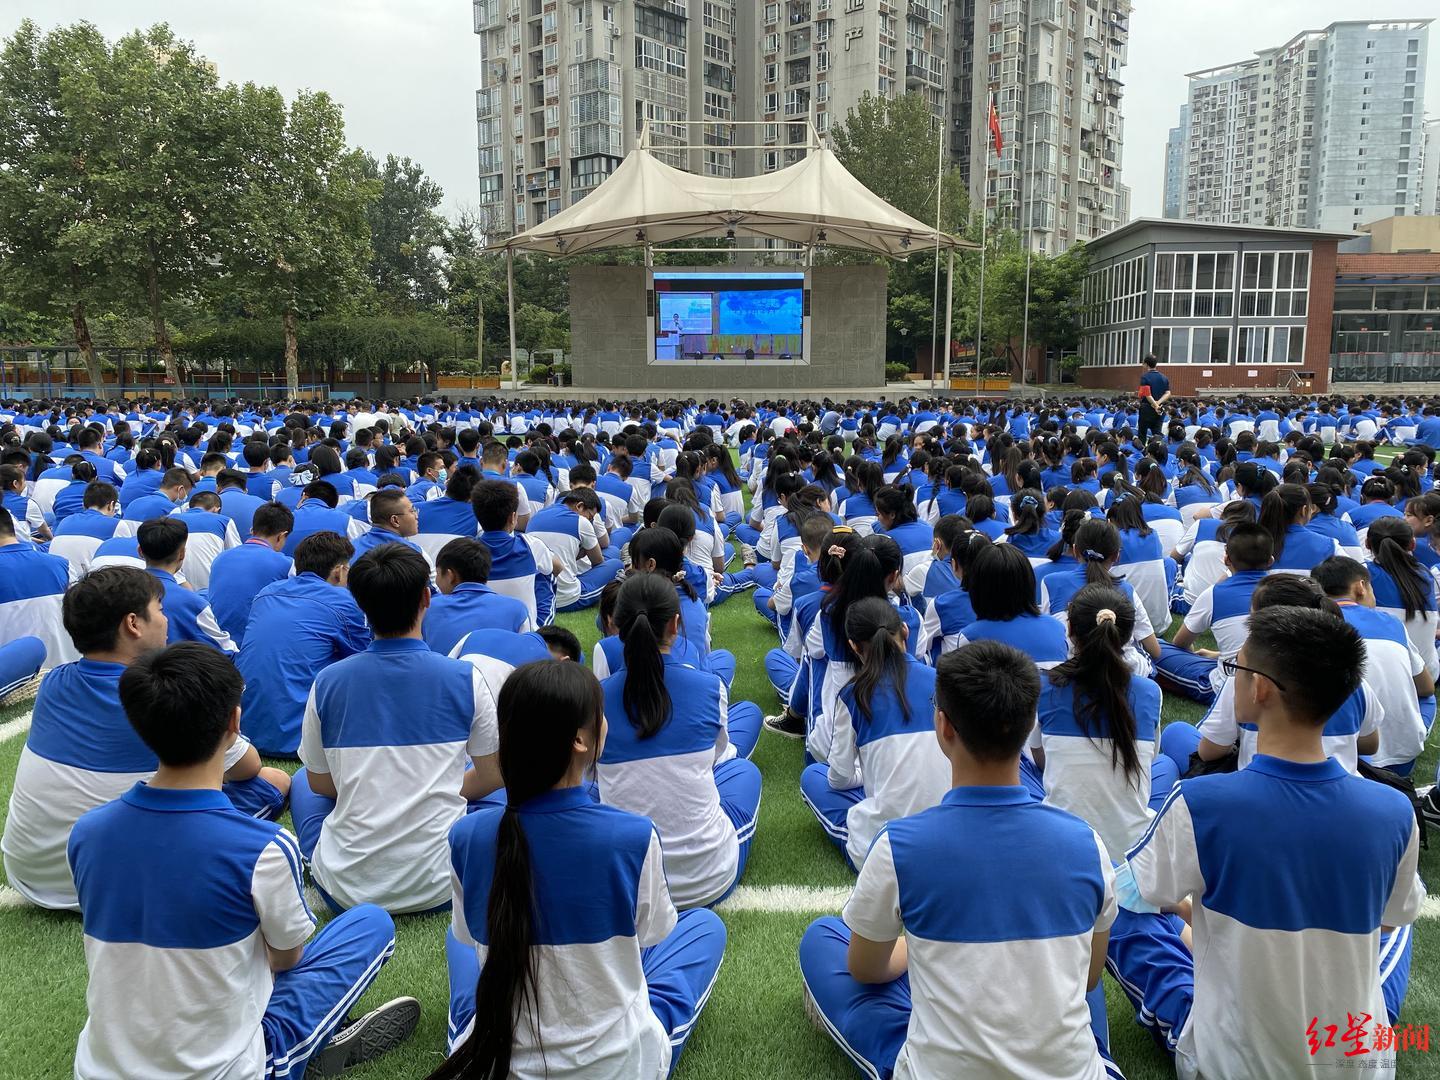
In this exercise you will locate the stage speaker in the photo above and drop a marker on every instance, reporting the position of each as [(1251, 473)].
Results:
[(805, 303), (649, 303)]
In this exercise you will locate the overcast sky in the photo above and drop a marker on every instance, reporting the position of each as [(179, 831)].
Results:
[(406, 70)]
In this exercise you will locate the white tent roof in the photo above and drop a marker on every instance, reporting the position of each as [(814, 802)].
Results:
[(647, 201)]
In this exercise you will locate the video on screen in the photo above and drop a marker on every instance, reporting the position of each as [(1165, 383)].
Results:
[(729, 318)]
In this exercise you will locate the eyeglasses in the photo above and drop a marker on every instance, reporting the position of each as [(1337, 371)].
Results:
[(1230, 667)]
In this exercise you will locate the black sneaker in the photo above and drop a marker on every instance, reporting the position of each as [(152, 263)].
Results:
[(1430, 808), (787, 724), (368, 1037)]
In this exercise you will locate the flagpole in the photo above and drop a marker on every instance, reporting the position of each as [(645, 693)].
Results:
[(935, 299), (1029, 238), (984, 218)]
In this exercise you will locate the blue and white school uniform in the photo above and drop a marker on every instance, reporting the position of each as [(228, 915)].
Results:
[(882, 767), (945, 620), (1342, 532), (999, 897), (394, 727), (1420, 627), (375, 536), (1286, 933), (32, 592), (1080, 775), (1223, 609), (26, 514), (79, 535), (688, 779), (1040, 637), (1142, 564), (568, 535), (190, 616), (1204, 556), (1391, 664), (929, 579), (520, 566), (1363, 515), (236, 578), (181, 896), (496, 653), (916, 540), (1035, 545), (1304, 550), (1058, 589), (315, 517), (297, 626), (472, 606), (240, 506), (441, 520), (81, 752), (210, 534), (859, 513), (620, 977)]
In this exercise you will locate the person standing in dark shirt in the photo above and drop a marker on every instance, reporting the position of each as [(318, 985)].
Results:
[(1154, 392)]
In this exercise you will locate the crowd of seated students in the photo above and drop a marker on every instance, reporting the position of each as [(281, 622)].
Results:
[(972, 608)]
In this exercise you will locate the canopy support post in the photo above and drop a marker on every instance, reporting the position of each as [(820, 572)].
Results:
[(949, 311), (510, 291)]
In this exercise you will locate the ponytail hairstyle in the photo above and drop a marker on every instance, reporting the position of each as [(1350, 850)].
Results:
[(1111, 449), (1097, 546), (834, 550), (1125, 513), (980, 507), (869, 478), (643, 610), (542, 706), (897, 503), (719, 458), (1072, 521), (1027, 513), (667, 550), (777, 465), (1030, 476), (680, 490), (937, 470), (893, 447), (1083, 469), (1193, 475), (1151, 481), (1239, 512), (82, 471), (873, 625), (828, 474), (1102, 618), (1322, 497), (1377, 488), (955, 477), (1404, 479), (1391, 541), (1281, 508), (866, 571), (962, 553), (804, 503)]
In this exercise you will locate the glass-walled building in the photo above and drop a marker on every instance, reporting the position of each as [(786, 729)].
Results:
[(1220, 306), (1387, 319)]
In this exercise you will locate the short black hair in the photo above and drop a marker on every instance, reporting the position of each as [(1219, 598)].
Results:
[(1290, 590), (988, 691), (1250, 547), (388, 582), (493, 502), (584, 498), (385, 505), (582, 473), (1285, 642), (95, 605), (558, 638), (321, 552), (98, 493), (322, 491), (180, 700), (467, 558), (272, 519), (161, 538), (205, 500), (1337, 573), (230, 478)]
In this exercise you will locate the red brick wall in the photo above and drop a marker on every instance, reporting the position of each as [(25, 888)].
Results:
[(1321, 321)]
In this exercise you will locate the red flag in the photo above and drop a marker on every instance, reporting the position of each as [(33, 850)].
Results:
[(995, 135)]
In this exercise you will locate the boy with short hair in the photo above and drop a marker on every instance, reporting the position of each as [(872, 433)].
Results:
[(1223, 608), (466, 602), (1004, 904), (567, 529), (81, 751), (238, 575), (32, 588), (1286, 930), (186, 902), (520, 565), (162, 545), (392, 521), (384, 741)]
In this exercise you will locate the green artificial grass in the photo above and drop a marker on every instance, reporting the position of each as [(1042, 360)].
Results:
[(753, 1026)]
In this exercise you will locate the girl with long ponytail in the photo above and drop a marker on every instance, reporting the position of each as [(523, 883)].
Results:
[(884, 762), (1029, 531), (1326, 519), (1097, 724), (1285, 514), (1403, 587), (677, 751), (535, 991)]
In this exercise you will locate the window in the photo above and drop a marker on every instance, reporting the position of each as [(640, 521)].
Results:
[(1274, 283), (1271, 345), (1194, 285)]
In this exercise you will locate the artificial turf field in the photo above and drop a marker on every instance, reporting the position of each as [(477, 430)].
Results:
[(754, 1025)]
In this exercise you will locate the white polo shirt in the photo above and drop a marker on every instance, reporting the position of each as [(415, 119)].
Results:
[(1391, 664)]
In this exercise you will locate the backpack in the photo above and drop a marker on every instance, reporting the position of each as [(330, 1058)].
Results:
[(1402, 784)]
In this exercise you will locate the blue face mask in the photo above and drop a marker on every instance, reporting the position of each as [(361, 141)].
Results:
[(440, 476)]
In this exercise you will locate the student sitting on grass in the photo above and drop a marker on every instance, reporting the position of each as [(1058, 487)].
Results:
[(566, 955), (162, 544), (673, 754), (197, 934), (466, 601), (386, 736), (1001, 586), (883, 761), (81, 750), (1095, 733), (1286, 929), (1004, 905)]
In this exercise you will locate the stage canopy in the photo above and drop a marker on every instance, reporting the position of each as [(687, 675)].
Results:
[(815, 201)]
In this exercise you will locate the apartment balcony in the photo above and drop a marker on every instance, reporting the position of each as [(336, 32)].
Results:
[(486, 104), (1048, 12), (487, 15), (797, 13), (797, 71)]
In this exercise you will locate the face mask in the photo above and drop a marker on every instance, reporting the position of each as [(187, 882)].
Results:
[(440, 476)]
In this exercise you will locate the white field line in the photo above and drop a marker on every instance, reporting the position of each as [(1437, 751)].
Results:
[(18, 726), (786, 898)]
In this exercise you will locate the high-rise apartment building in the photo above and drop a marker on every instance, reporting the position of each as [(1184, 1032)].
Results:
[(1175, 164), (566, 89), (1323, 132), (1430, 170), (1054, 68)]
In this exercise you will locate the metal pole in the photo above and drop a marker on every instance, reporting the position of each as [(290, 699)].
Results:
[(510, 290), (1029, 238), (935, 297), (984, 220), (479, 325), (949, 311)]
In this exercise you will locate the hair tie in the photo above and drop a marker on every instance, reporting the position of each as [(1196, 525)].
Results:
[(836, 551), (1091, 555), (1028, 500), (1104, 616)]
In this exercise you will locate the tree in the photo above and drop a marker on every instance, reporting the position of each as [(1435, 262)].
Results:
[(540, 328), (406, 235), (52, 160), (891, 145), (299, 240)]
